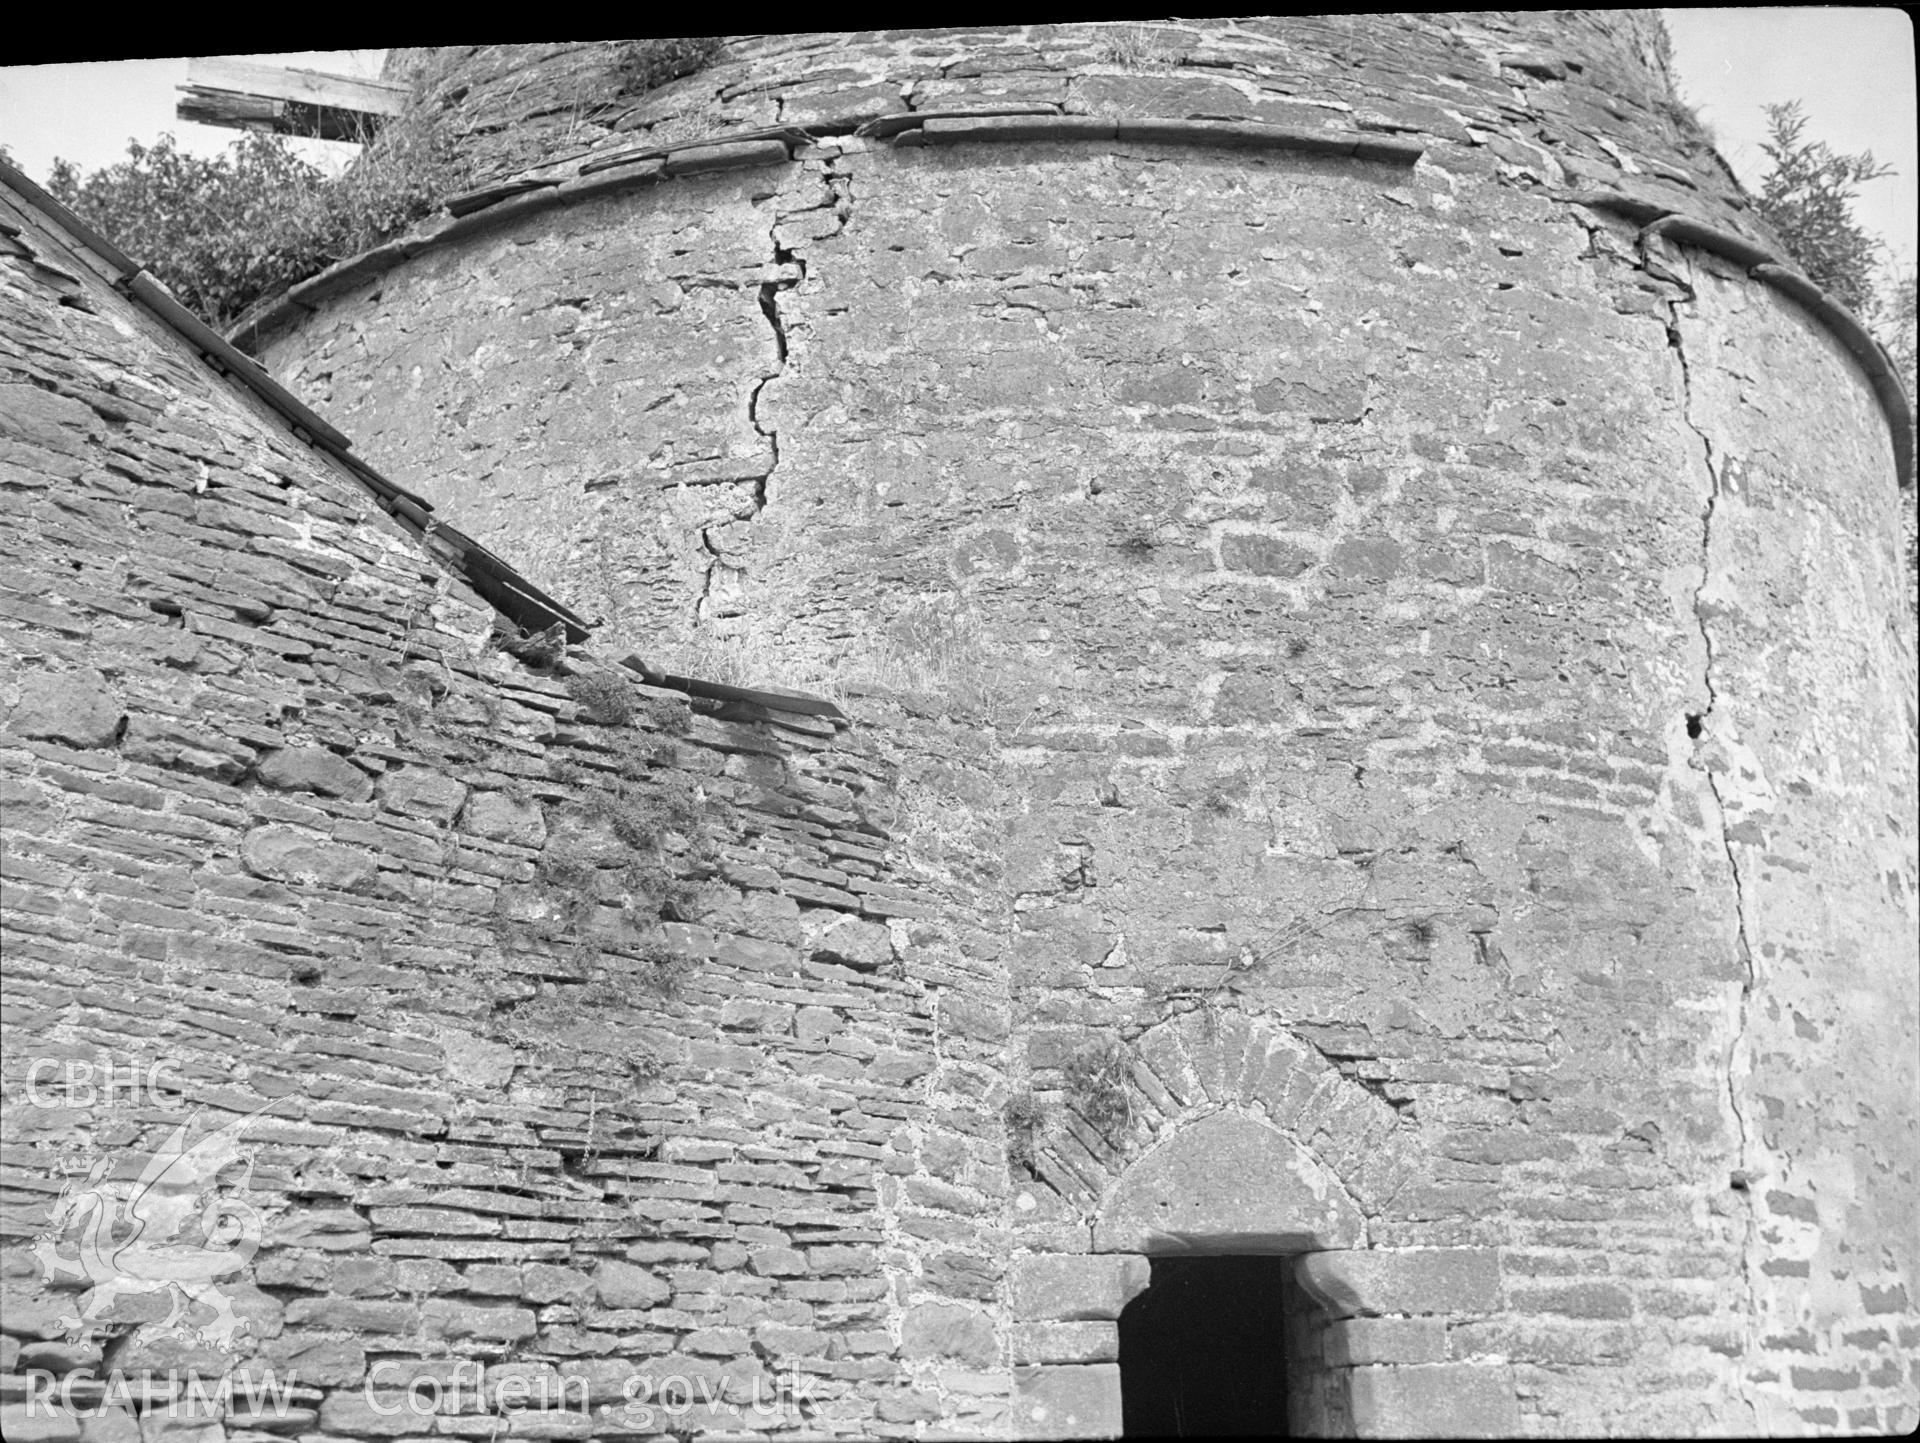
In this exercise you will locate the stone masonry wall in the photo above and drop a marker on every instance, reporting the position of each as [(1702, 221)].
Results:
[(572, 1041), (1815, 808), (1437, 693), (1583, 95)]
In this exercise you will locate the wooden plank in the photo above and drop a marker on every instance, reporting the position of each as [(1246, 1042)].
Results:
[(308, 87), (279, 117), (250, 96), (719, 691), (525, 608), (224, 107), (374, 481), (476, 557)]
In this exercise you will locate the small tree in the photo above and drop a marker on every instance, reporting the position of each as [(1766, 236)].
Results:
[(1808, 198), (221, 233), (218, 232), (1899, 327)]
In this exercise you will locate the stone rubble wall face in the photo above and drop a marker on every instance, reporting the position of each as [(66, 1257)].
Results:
[(1289, 587), (280, 821), (1338, 622), (1811, 668), (1334, 557)]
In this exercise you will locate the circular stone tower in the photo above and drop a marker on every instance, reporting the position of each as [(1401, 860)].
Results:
[(1384, 584)]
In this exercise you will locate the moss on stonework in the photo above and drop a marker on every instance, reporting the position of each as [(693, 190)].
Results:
[(1025, 1117), (1098, 1081), (643, 65)]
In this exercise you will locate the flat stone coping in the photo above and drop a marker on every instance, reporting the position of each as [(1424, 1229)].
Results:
[(1770, 270), (509, 201)]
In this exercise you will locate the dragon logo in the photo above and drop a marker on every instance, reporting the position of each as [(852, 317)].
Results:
[(169, 1233)]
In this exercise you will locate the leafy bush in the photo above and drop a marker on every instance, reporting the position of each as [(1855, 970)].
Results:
[(216, 232), (1808, 198), (1900, 326), (222, 233)]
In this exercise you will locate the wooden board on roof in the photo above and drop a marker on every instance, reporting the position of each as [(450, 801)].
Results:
[(249, 96)]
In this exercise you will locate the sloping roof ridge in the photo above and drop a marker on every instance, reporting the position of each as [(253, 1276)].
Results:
[(499, 583)]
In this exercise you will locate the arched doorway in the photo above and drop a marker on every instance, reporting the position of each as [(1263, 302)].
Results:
[(1220, 1343), (1247, 1186)]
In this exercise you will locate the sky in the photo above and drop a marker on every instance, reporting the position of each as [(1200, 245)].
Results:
[(87, 112), (1852, 69)]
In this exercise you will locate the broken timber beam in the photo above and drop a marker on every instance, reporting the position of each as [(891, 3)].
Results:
[(250, 96)]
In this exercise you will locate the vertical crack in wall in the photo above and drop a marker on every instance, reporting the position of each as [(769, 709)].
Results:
[(770, 308), (714, 561), (840, 185), (786, 271), (1697, 727)]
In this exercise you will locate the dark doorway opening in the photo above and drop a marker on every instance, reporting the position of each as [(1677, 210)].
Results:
[(1203, 1352)]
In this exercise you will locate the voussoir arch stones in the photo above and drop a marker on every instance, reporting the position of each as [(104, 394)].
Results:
[(1212, 1095)]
